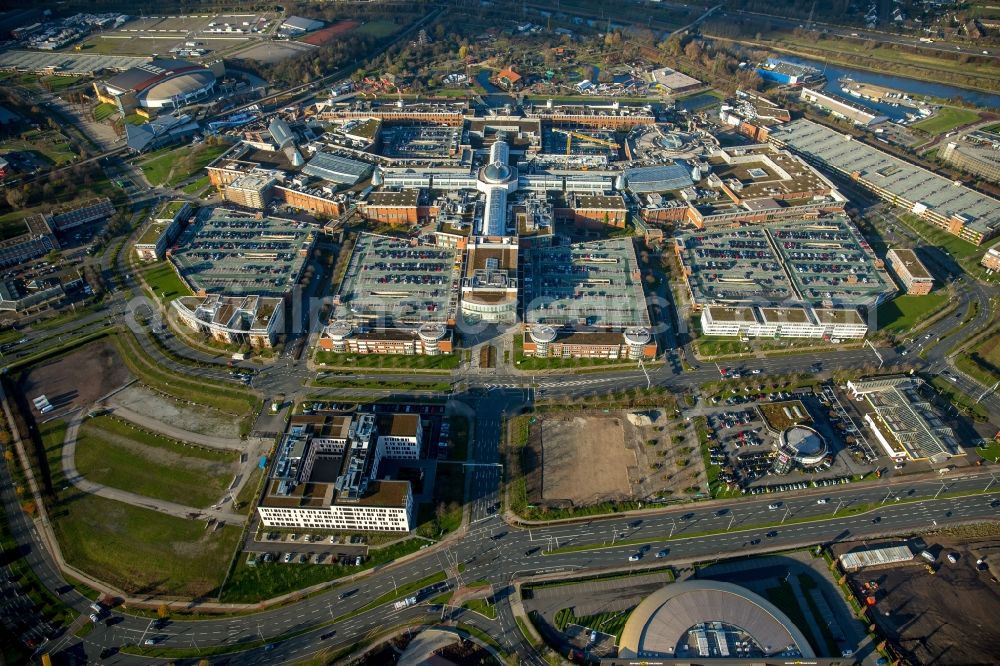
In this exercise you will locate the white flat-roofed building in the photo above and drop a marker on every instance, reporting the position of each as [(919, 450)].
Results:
[(991, 260), (152, 244), (911, 271), (903, 420), (400, 436), (792, 322), (239, 320), (875, 557), (318, 483)]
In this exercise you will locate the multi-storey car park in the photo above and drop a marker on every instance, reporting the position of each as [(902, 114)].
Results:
[(396, 297), (803, 279), (585, 299), (957, 209), (229, 252)]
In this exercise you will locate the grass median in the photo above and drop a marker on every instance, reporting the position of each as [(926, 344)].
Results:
[(388, 361)]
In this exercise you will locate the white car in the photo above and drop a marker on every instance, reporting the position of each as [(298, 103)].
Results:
[(288, 557), (756, 372), (634, 558), (774, 506), (822, 501)]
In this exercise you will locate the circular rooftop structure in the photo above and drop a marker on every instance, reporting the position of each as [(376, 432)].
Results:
[(431, 332), (637, 335), (542, 333), (698, 619), (808, 445), (339, 330), (177, 90), (496, 173)]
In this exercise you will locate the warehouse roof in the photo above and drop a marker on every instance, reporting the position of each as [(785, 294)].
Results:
[(892, 174)]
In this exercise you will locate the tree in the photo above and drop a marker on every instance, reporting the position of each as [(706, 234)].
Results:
[(162, 612), (463, 52), (16, 197)]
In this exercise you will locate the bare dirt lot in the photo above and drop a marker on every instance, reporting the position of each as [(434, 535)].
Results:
[(585, 458), (190, 417), (78, 379), (946, 618), (271, 52)]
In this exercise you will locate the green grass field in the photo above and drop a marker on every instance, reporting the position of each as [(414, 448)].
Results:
[(12, 224), (482, 606), (224, 398), (378, 29), (611, 622), (138, 550), (719, 346), (53, 146), (196, 186), (248, 584), (172, 167), (902, 313), (164, 282), (103, 111), (982, 362), (122, 456), (57, 83), (946, 119)]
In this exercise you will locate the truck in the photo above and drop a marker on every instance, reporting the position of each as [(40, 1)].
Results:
[(927, 40), (239, 357), (404, 603), (928, 555)]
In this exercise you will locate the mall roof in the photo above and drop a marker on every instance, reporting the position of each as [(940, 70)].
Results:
[(658, 178), (336, 169), (147, 74), (891, 173)]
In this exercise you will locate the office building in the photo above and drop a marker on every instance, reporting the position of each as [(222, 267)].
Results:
[(911, 271)]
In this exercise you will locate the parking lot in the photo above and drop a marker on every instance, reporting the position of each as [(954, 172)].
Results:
[(563, 284), (807, 261), (18, 613), (232, 253), (389, 277), (744, 448)]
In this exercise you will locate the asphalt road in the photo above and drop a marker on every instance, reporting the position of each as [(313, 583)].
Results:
[(497, 553)]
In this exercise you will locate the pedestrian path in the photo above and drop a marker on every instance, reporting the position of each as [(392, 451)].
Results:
[(74, 477)]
